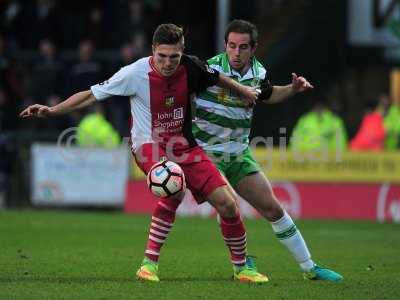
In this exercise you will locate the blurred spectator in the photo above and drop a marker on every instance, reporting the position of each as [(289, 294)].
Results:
[(47, 73), (134, 21), (86, 72), (10, 19), (14, 72), (139, 18), (119, 109), (95, 29), (392, 128), (8, 112), (127, 55), (94, 130), (139, 45), (4, 60), (319, 129), (6, 79), (8, 119), (40, 20), (371, 133), (8, 89)]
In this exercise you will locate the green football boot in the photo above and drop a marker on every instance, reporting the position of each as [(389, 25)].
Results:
[(249, 273), (148, 271), (321, 273)]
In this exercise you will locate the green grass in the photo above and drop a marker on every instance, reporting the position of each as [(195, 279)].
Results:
[(92, 255)]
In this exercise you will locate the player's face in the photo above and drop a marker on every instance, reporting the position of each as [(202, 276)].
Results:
[(239, 51), (166, 58)]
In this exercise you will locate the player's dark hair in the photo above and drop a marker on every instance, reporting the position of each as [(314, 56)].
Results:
[(168, 34), (242, 26)]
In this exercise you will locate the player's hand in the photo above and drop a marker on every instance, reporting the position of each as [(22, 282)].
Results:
[(250, 95), (36, 110), (300, 84)]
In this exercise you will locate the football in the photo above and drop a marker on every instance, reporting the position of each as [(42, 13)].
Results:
[(166, 179)]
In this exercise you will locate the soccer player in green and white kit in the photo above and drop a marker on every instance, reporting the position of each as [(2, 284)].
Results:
[(222, 127)]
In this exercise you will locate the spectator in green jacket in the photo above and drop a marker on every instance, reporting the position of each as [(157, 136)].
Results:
[(392, 128), (95, 131), (319, 129)]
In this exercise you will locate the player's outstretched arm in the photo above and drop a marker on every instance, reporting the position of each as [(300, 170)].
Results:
[(76, 101), (249, 94), (280, 93)]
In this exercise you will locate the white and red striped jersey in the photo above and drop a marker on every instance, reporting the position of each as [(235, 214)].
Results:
[(160, 106)]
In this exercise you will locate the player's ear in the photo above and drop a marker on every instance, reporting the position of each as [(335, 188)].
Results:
[(182, 44), (253, 50)]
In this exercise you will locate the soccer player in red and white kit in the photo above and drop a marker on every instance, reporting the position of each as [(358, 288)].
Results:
[(160, 89)]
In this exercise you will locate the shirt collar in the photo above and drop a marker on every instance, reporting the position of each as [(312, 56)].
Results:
[(252, 72)]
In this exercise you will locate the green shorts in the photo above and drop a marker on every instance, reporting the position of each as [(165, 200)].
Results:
[(235, 166)]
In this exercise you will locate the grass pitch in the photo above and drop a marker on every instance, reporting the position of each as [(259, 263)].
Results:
[(92, 255)]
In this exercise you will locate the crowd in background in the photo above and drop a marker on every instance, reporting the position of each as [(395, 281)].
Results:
[(52, 49), (321, 128)]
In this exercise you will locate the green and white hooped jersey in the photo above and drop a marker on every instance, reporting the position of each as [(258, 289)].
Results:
[(222, 121)]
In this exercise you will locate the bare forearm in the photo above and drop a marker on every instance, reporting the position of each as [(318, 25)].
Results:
[(280, 93), (229, 83), (76, 101), (248, 94)]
